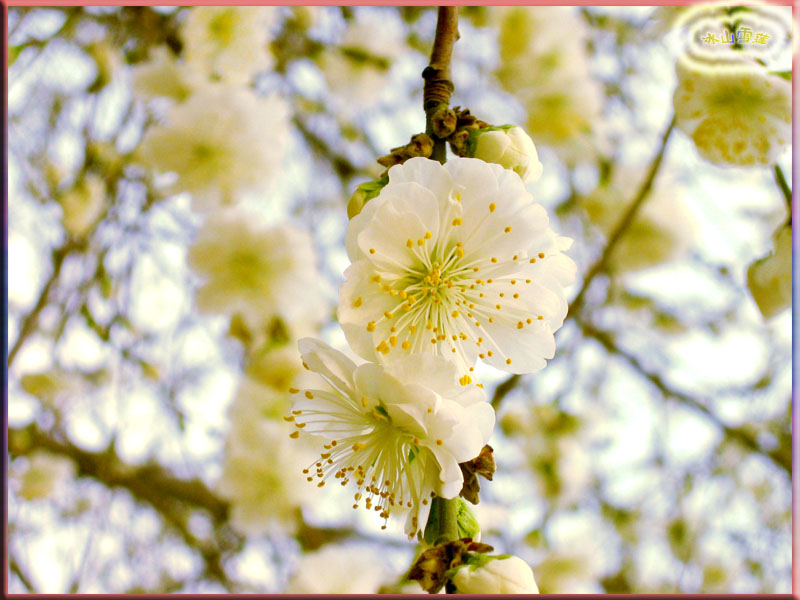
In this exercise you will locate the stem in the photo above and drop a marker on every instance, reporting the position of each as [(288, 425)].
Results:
[(785, 189), (447, 512), (31, 321), (438, 86), (624, 223)]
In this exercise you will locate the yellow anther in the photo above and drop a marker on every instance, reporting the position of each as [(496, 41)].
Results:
[(359, 446), (409, 243), (455, 314), (528, 320), (438, 443), (540, 318), (294, 435), (428, 235), (388, 315), (405, 345), (371, 326), (376, 278), (465, 380), (494, 259), (516, 295), (541, 254), (460, 252), (492, 207), (520, 325), (420, 242), (497, 306), (309, 395), (457, 221), (508, 361), (533, 260), (293, 390), (383, 348), (393, 340), (507, 229), (372, 250)]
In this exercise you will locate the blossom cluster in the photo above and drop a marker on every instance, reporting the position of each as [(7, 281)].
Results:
[(449, 264)]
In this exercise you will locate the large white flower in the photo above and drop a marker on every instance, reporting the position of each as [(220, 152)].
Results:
[(398, 431), (222, 141), (455, 260), (259, 272), (735, 114), (228, 42), (163, 76)]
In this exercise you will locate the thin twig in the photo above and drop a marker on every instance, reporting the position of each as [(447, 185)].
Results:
[(624, 223), (30, 322), (746, 439), (438, 85)]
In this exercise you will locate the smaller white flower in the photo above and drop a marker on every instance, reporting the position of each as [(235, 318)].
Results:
[(770, 279), (259, 272), (261, 467), (510, 147), (735, 114), (509, 575), (45, 474), (228, 42), (399, 431), (83, 205), (220, 142), (163, 76), (336, 569)]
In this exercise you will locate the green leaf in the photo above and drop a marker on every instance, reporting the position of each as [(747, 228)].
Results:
[(787, 75), (468, 525)]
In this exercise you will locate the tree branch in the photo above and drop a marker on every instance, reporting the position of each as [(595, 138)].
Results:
[(740, 435), (438, 85), (624, 222)]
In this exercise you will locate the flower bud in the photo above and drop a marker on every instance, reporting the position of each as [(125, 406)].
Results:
[(495, 575), (770, 279), (364, 193), (508, 146)]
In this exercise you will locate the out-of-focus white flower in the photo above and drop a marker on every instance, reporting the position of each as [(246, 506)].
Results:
[(261, 467), (221, 141), (456, 260), (544, 64), (336, 569), (356, 70), (735, 114), (228, 42), (258, 272), (164, 77), (83, 205), (399, 431), (510, 147), (509, 575), (52, 387), (770, 279), (44, 475), (662, 230)]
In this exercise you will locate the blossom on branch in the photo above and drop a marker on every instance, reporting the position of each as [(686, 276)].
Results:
[(398, 431), (220, 142), (456, 261), (508, 575), (508, 146), (228, 42), (258, 272), (736, 115)]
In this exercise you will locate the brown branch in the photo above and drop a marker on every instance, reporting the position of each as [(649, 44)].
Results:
[(742, 436), (30, 322), (624, 223), (438, 85)]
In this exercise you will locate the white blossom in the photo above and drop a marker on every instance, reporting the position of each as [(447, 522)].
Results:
[(770, 279), (83, 205), (261, 468), (543, 62), (356, 71), (457, 261), (509, 575), (736, 114), (163, 76), (336, 569), (220, 142), (662, 230), (45, 474), (398, 431), (509, 147), (259, 272), (228, 42)]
